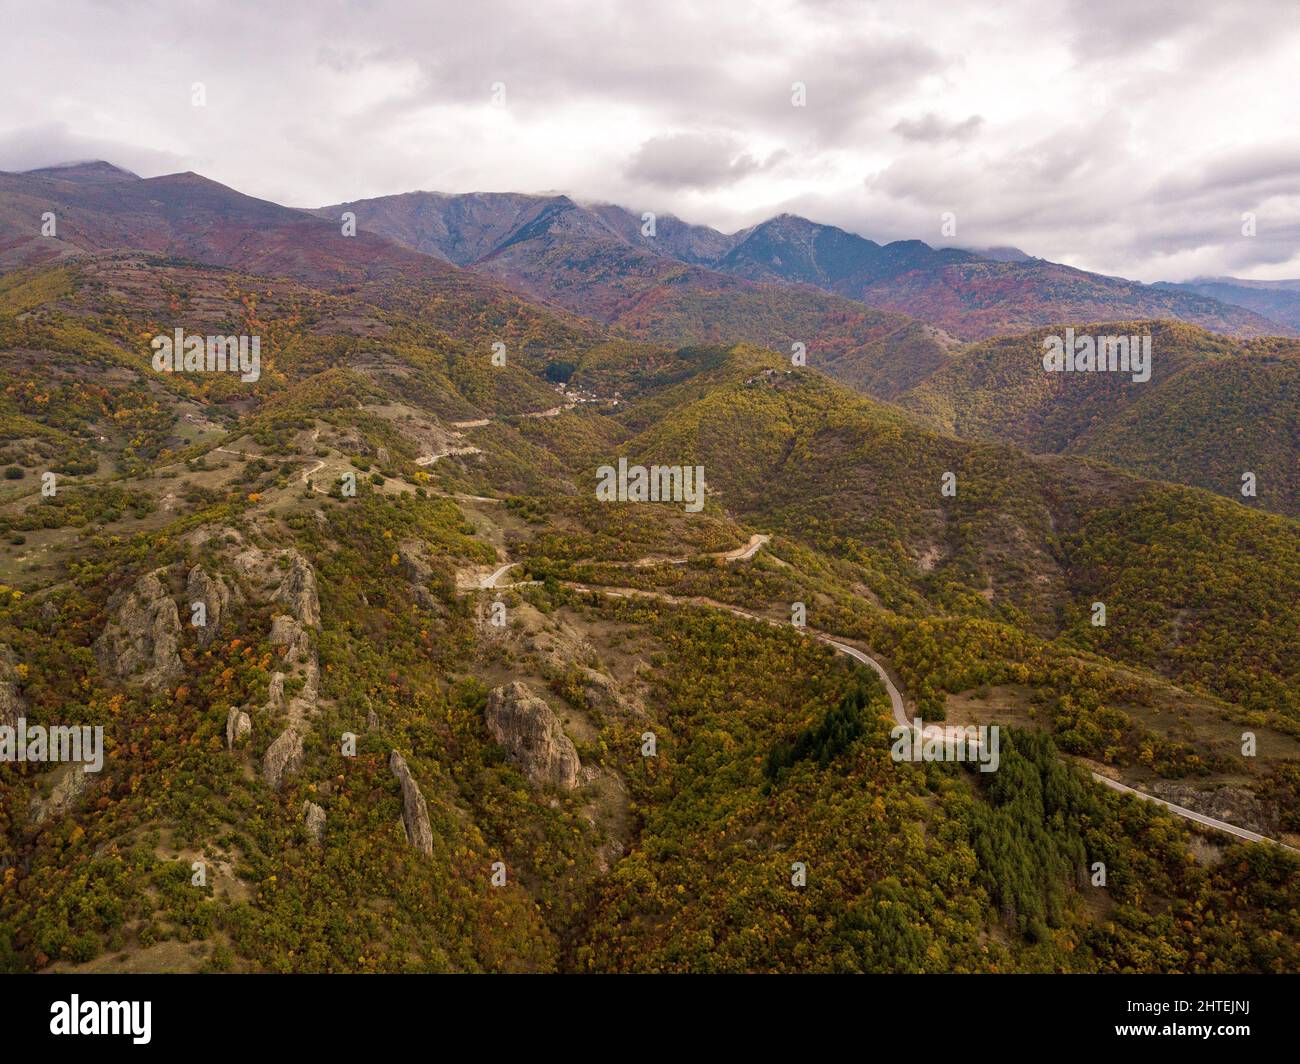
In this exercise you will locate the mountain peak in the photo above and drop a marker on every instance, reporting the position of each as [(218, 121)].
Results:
[(786, 220), (90, 170), (1001, 253)]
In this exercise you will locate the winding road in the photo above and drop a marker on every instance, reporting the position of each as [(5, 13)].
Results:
[(898, 707), (429, 459), (897, 704)]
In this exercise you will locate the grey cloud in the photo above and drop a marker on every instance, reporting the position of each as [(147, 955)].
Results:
[(733, 69), (694, 160), (1214, 32), (1247, 173), (52, 143), (931, 128), (329, 100), (1114, 27)]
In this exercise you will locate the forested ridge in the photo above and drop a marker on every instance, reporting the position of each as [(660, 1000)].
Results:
[(365, 613)]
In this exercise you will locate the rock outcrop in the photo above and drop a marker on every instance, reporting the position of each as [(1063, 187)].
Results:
[(72, 782), (287, 632), (1234, 805), (604, 694), (238, 725), (12, 703), (285, 578), (412, 556), (215, 596), (283, 757), (532, 736), (298, 591), (142, 637), (313, 817), (415, 813), (299, 656)]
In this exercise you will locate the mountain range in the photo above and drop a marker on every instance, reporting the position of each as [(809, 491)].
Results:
[(366, 644), (613, 256)]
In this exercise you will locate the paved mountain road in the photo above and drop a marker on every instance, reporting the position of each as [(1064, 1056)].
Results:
[(898, 707), (897, 704), (1190, 814)]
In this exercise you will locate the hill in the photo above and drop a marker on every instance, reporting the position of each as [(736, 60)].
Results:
[(1213, 409), (407, 729), (1278, 301)]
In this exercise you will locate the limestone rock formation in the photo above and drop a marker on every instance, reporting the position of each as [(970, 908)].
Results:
[(12, 703), (415, 813), (605, 694), (298, 591), (215, 596), (531, 735), (412, 556), (426, 600), (284, 756), (288, 633), (299, 656), (143, 634), (293, 585), (238, 725), (72, 782), (314, 820), (275, 691)]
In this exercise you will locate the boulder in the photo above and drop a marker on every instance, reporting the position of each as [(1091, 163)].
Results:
[(415, 813), (142, 637), (532, 736)]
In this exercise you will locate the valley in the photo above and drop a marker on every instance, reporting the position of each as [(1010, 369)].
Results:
[(450, 709)]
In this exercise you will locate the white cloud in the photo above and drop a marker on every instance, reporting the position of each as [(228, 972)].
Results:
[(1125, 138)]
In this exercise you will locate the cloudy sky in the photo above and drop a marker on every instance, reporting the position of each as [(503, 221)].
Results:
[(1126, 136)]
